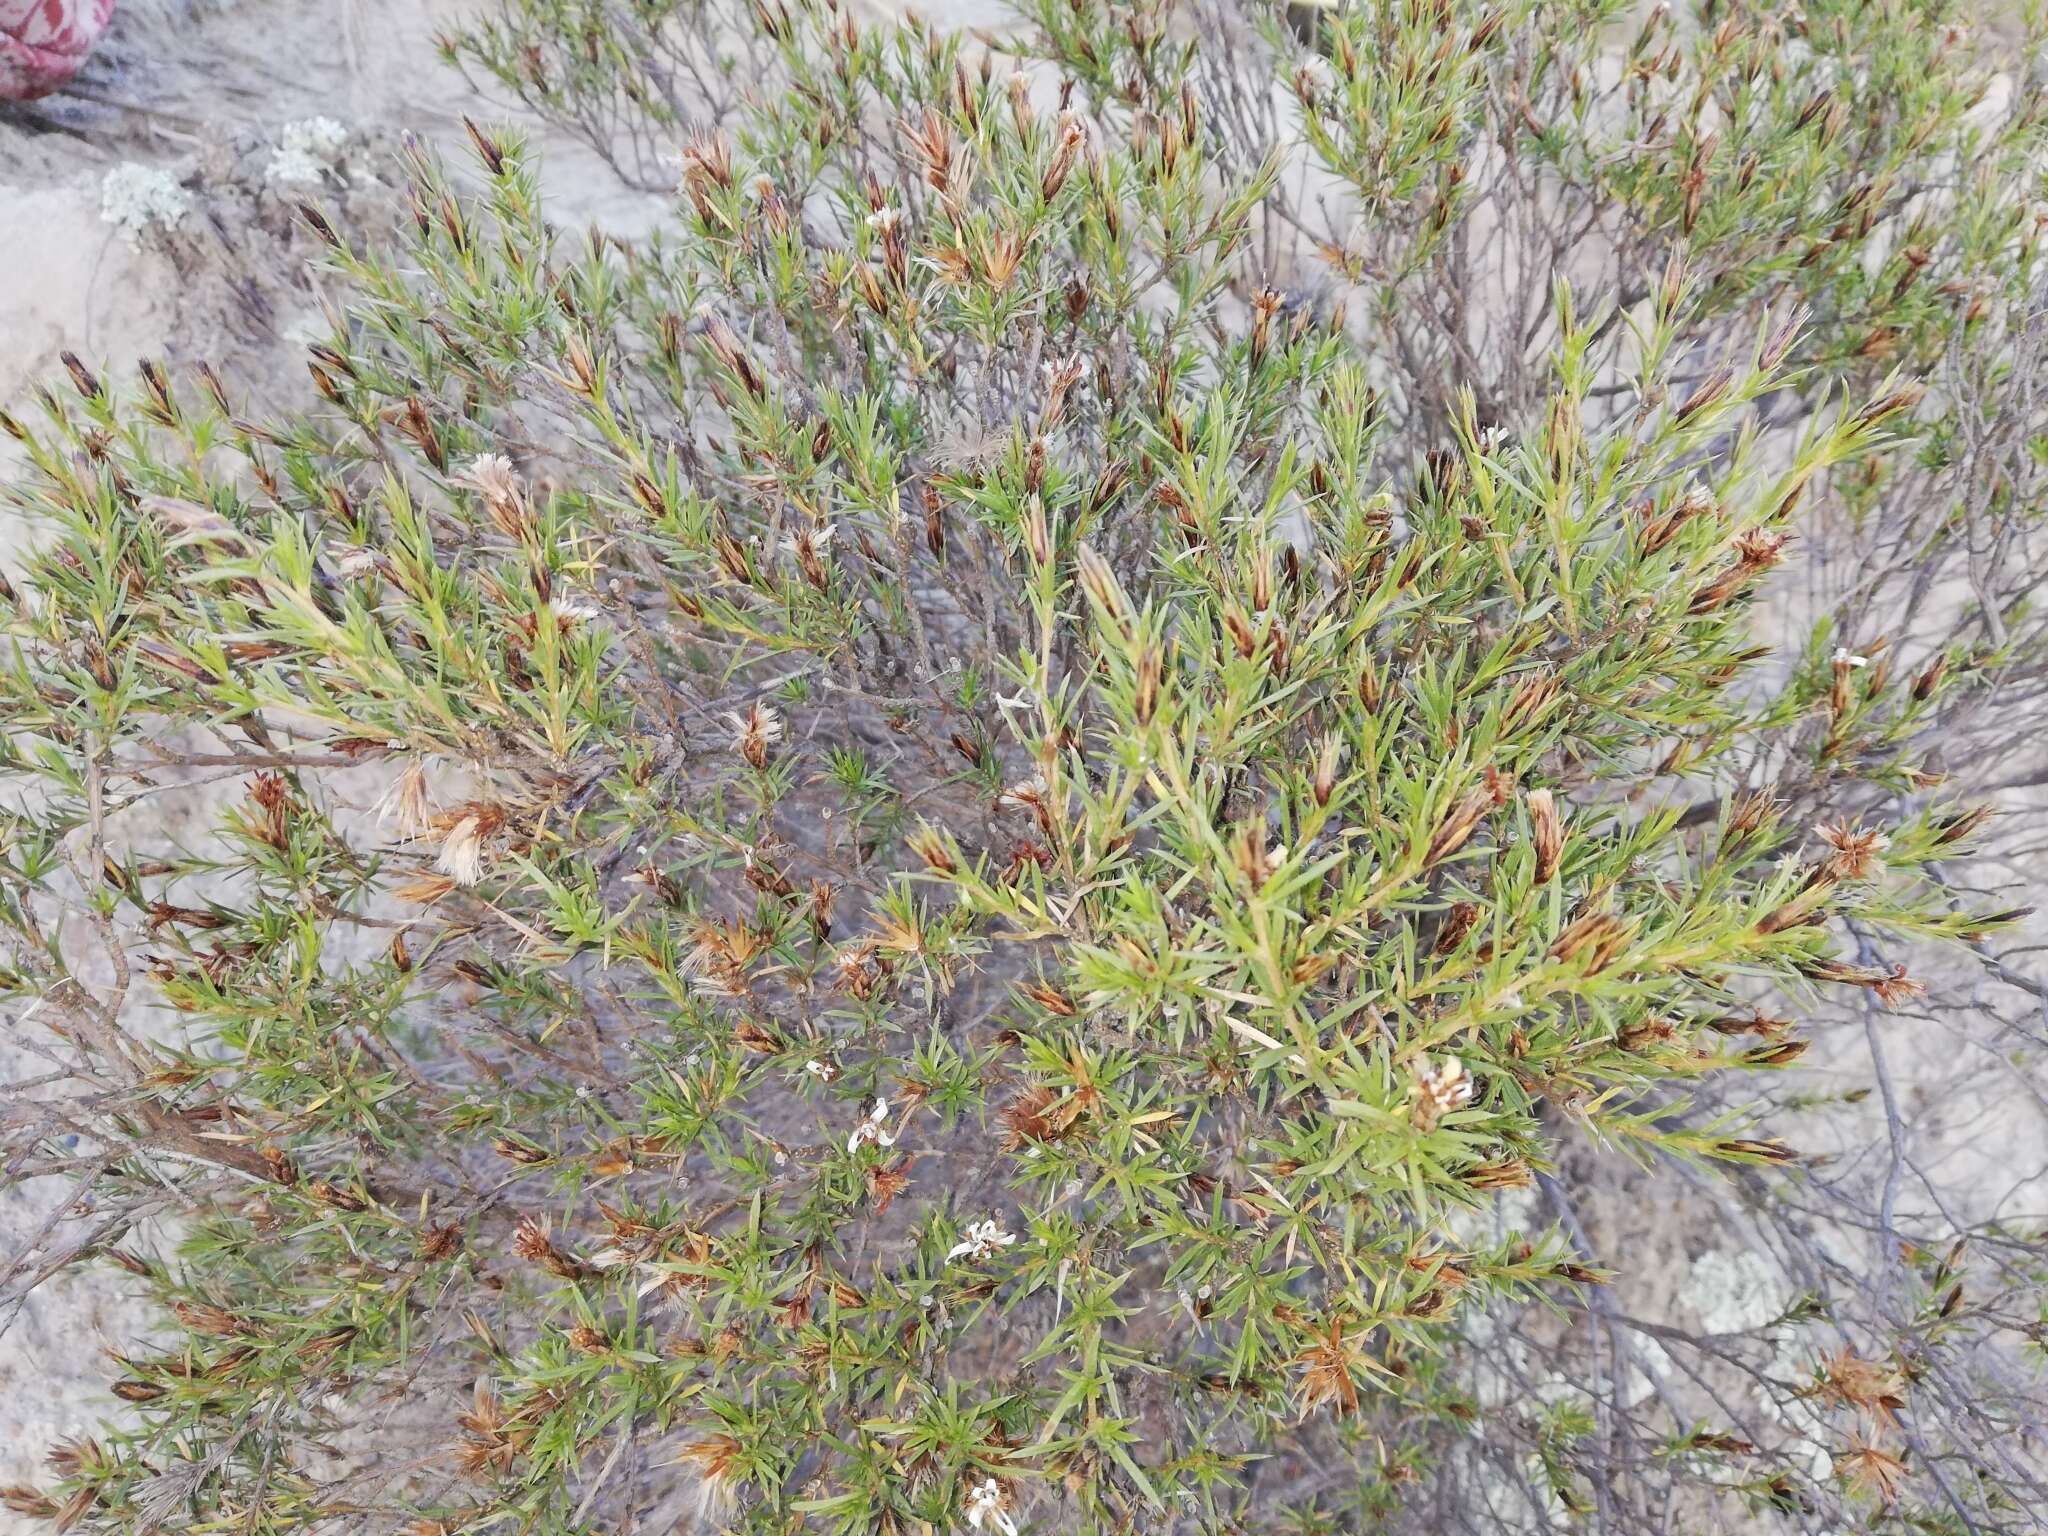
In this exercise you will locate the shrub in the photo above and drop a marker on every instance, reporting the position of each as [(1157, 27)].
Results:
[(1014, 767)]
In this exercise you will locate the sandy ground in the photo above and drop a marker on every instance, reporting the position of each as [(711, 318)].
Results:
[(204, 90)]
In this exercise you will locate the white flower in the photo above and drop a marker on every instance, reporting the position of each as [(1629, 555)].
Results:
[(462, 851), (489, 471), (356, 561), (1441, 1088), (306, 151), (492, 476), (1026, 794), (755, 732), (1843, 658), (1446, 1084), (820, 539), (408, 806), (872, 1129), (652, 1277), (706, 954), (983, 1239), (989, 1507), (136, 199)]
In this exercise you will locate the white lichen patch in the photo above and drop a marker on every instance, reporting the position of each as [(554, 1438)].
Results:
[(1554, 1388), (1509, 1213), (1648, 1362), (1734, 1292), (1792, 1369), (1526, 1503), (140, 200), (307, 327), (306, 151)]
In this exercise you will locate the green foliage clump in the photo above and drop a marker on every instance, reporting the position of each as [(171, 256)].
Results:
[(901, 860)]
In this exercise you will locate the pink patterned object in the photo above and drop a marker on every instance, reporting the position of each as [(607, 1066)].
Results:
[(43, 43)]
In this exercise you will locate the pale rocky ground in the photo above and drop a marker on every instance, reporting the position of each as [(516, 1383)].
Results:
[(207, 92)]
